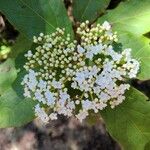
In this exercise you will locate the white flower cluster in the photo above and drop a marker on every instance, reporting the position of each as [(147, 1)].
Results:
[(72, 77)]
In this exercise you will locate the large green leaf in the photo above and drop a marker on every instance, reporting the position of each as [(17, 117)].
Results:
[(15, 111), (88, 9), (18, 50), (129, 122), (8, 74), (21, 45), (131, 19), (31, 17), (140, 50)]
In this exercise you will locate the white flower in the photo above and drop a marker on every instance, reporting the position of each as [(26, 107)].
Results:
[(101, 105), (82, 115), (41, 113), (96, 90), (53, 116), (30, 80), (115, 56), (71, 105), (29, 54), (63, 98), (89, 55), (87, 104), (108, 66), (38, 96), (104, 97), (56, 84), (106, 25), (103, 81), (72, 78), (48, 45), (127, 53), (80, 49), (50, 98), (80, 77), (27, 93), (42, 85), (74, 85), (94, 50), (134, 69)]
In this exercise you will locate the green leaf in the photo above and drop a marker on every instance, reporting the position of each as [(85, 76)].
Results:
[(89, 9), (14, 111), (129, 122), (21, 45), (132, 16), (8, 74), (131, 19), (140, 50), (18, 88), (18, 50), (31, 17)]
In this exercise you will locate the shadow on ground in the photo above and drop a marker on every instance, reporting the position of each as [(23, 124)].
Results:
[(63, 134)]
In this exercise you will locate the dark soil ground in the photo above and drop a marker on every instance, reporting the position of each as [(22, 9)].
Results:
[(63, 134)]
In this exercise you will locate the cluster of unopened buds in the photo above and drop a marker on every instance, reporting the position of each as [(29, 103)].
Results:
[(73, 78)]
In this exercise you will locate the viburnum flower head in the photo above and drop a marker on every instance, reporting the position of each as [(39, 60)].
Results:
[(74, 77)]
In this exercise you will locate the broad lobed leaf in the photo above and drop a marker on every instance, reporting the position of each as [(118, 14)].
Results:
[(129, 122), (31, 17), (8, 73), (15, 111), (131, 15), (131, 20), (21, 45), (140, 50), (89, 9)]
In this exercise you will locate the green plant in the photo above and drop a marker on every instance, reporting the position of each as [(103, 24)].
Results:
[(129, 122)]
